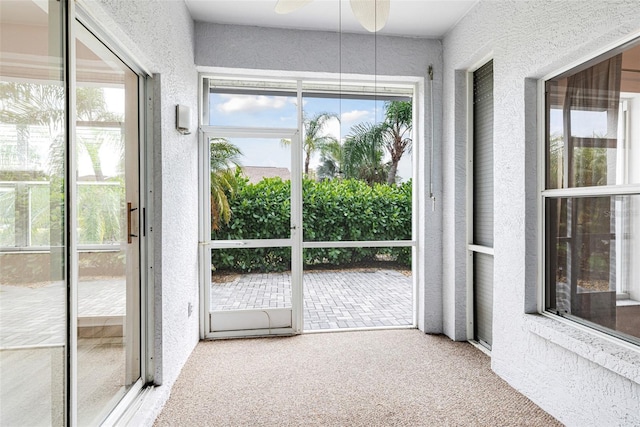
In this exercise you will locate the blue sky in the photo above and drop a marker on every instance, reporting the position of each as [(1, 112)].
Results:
[(583, 123), (281, 112)]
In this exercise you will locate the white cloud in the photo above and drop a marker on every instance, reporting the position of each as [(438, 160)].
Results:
[(356, 116), (332, 128), (252, 103)]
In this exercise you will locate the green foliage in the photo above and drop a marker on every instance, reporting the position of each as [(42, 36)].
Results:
[(314, 135), (363, 154), (335, 210), (259, 211), (225, 178), (7, 217), (99, 213), (396, 131), (40, 108)]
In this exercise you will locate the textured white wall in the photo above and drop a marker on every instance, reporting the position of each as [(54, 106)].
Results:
[(258, 48), (526, 40), (160, 34)]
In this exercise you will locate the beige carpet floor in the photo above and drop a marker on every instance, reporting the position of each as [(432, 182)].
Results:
[(368, 378)]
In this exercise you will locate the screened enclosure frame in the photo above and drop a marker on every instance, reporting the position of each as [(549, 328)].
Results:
[(293, 242), (302, 85)]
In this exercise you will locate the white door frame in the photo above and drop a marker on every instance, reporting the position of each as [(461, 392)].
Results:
[(255, 322)]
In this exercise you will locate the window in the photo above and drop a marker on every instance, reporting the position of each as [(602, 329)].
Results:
[(591, 195)]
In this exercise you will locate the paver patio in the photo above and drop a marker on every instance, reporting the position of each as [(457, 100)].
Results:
[(35, 316), (332, 299)]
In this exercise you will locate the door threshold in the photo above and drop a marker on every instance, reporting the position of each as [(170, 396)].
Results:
[(480, 347), (365, 328)]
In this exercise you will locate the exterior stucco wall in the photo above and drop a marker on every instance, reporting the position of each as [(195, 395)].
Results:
[(257, 48), (565, 370), (159, 34)]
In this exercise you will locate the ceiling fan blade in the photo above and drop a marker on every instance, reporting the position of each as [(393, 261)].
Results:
[(288, 6), (372, 14)]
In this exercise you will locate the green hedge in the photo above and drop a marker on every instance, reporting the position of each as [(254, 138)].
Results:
[(336, 210)]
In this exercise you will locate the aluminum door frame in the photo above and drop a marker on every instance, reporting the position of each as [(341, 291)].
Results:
[(253, 316)]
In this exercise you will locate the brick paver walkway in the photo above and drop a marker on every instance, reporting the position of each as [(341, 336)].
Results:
[(36, 315), (332, 299)]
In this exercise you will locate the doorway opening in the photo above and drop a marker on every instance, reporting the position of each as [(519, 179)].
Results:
[(307, 214)]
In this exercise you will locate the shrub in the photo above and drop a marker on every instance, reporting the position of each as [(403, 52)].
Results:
[(337, 210)]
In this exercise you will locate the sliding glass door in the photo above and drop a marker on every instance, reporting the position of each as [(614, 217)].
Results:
[(108, 232), (33, 215), (70, 220)]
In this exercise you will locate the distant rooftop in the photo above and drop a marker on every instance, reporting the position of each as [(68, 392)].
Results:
[(258, 173)]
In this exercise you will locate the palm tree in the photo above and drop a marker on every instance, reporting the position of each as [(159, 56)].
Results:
[(363, 154), (27, 104), (91, 109), (314, 139), (331, 160), (225, 174), (397, 133), (367, 143)]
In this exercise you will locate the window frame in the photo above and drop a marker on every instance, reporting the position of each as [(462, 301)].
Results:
[(542, 193), (312, 84)]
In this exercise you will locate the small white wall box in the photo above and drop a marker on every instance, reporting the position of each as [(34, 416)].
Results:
[(183, 119)]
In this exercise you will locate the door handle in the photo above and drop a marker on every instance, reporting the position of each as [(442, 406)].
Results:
[(129, 234)]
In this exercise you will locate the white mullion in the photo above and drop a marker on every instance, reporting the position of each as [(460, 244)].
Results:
[(296, 219), (205, 231), (71, 221), (595, 191), (417, 188), (247, 132), (204, 87), (248, 244), (361, 244)]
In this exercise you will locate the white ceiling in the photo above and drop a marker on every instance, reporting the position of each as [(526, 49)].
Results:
[(413, 18)]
